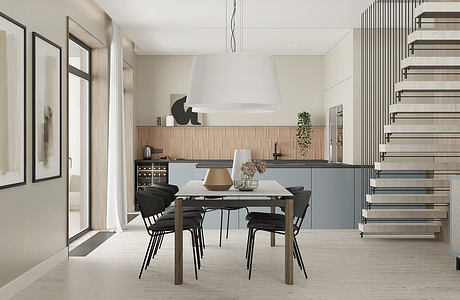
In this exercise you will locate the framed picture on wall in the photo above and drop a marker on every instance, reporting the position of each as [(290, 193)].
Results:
[(183, 115), (12, 102), (46, 123)]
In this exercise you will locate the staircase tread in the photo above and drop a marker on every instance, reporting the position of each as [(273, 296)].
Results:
[(430, 61), (406, 213), (431, 128), (432, 9), (419, 148), (433, 35), (421, 165), (408, 198), (427, 85), (427, 227), (428, 107), (412, 182)]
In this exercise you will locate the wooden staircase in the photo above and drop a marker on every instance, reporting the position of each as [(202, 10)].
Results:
[(410, 195)]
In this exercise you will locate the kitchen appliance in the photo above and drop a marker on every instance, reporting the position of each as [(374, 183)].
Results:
[(148, 173), (336, 134), (148, 152)]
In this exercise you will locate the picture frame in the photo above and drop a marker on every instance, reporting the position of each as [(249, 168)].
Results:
[(13, 99), (46, 109)]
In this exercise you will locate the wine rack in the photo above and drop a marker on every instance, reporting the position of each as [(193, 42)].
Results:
[(150, 172)]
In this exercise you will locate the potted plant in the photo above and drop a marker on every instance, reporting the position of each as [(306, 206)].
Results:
[(249, 169), (303, 132)]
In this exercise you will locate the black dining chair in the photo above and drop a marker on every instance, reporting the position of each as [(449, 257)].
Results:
[(264, 215), (277, 225), (166, 197), (151, 208), (172, 191), (255, 214)]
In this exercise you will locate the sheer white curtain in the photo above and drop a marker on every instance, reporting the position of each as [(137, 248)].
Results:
[(116, 181)]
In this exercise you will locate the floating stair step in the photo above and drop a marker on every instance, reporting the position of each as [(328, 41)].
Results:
[(437, 10), (424, 108), (409, 183), (427, 86), (419, 148), (407, 199), (425, 62), (404, 213), (420, 129), (417, 166), (430, 37), (400, 228)]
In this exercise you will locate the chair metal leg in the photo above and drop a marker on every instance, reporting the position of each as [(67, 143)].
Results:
[(228, 223), (194, 257), (296, 255), (195, 238), (247, 245), (250, 245), (145, 256), (152, 249), (220, 234), (200, 240), (300, 256), (251, 255)]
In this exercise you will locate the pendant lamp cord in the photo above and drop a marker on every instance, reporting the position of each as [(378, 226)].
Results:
[(232, 29)]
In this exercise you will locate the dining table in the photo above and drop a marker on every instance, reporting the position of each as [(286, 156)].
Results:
[(268, 194)]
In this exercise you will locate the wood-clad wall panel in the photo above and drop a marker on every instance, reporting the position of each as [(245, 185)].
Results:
[(220, 142)]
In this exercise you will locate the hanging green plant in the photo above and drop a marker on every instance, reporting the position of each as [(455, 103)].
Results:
[(303, 132)]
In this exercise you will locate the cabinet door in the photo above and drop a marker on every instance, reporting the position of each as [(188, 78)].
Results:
[(333, 198), (181, 173)]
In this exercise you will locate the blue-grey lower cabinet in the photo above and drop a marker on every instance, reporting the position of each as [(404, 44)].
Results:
[(333, 198), (181, 173)]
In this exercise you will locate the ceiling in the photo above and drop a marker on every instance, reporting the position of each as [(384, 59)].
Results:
[(277, 27)]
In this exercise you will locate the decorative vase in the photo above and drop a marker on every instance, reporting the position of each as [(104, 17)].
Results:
[(246, 184), (240, 157), (217, 179)]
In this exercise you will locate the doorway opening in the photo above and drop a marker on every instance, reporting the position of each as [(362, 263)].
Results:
[(79, 164)]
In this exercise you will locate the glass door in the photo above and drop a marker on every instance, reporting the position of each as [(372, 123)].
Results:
[(79, 138)]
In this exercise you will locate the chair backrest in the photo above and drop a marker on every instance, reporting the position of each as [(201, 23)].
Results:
[(149, 204), (164, 186), (301, 204), (293, 190), (167, 197)]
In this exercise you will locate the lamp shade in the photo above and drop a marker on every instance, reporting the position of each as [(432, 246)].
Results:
[(243, 83), (240, 157)]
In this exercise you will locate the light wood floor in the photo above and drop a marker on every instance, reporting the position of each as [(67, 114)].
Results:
[(340, 265)]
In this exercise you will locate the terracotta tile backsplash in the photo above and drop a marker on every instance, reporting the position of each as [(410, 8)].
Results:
[(220, 142)]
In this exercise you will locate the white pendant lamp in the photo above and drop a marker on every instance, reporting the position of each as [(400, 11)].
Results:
[(233, 82)]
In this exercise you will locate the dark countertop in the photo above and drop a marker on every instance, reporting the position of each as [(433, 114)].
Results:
[(214, 163)]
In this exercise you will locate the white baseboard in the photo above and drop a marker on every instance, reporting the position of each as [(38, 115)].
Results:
[(23, 281)]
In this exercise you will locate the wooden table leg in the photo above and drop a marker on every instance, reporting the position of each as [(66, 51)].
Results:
[(288, 243), (272, 234), (178, 243)]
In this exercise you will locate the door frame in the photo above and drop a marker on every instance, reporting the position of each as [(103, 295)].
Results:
[(87, 77)]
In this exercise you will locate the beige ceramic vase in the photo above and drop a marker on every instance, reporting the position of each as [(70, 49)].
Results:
[(217, 179)]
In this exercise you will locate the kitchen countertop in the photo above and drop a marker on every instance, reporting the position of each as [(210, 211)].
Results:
[(215, 163)]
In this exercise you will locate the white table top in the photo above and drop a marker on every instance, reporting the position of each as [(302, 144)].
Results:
[(267, 188)]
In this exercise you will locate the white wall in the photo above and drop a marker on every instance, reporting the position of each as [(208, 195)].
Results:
[(33, 223), (341, 86), (300, 78)]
